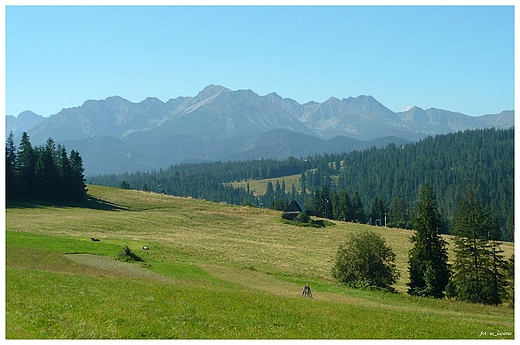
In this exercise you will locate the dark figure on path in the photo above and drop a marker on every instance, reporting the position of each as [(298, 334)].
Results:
[(307, 291)]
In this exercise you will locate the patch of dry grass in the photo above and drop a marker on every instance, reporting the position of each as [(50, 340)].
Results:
[(258, 187)]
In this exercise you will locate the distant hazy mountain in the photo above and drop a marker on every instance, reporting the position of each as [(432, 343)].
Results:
[(24, 122), (116, 135)]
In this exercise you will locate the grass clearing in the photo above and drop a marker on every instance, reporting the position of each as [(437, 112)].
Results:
[(213, 271), (258, 187)]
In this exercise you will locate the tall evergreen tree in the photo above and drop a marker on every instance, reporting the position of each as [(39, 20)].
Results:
[(398, 215), (334, 197), (323, 202), (378, 210), (345, 206), (479, 269), (77, 177), (11, 174), (358, 211), (47, 173), (26, 166), (428, 259)]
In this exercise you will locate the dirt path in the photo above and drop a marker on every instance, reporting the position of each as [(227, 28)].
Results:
[(134, 270)]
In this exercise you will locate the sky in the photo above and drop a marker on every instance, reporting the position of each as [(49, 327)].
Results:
[(457, 58)]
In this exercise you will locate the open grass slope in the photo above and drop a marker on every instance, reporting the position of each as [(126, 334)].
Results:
[(213, 271), (258, 187)]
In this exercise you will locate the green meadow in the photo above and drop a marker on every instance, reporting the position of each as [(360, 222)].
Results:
[(212, 271), (258, 187)]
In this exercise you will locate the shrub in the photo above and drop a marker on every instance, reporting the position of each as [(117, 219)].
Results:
[(302, 217), (365, 260), (126, 254)]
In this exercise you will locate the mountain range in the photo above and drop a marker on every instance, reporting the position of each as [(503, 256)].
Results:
[(115, 135)]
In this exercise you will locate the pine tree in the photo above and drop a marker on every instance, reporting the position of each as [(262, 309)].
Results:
[(336, 207), (398, 214), (378, 210), (323, 202), (64, 168), (358, 212), (47, 173), (346, 206), (77, 179), (428, 259), (26, 166), (480, 270), (11, 175), (269, 196)]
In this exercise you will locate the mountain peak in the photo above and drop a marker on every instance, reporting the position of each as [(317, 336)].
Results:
[(273, 94), (212, 90), (415, 114), (28, 114), (332, 99)]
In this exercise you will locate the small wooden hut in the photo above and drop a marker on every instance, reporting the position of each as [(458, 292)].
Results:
[(294, 208)]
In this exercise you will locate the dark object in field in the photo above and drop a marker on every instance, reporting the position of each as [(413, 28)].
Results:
[(94, 239), (307, 291), (146, 248)]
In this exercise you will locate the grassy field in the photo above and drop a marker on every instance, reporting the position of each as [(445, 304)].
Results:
[(258, 187), (213, 271)]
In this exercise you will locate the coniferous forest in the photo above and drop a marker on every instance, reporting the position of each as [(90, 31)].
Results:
[(376, 186), (43, 172)]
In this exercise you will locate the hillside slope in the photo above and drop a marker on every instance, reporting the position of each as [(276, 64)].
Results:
[(227, 272), (219, 233)]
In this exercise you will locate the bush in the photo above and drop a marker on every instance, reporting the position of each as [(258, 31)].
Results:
[(365, 260), (127, 255), (302, 217)]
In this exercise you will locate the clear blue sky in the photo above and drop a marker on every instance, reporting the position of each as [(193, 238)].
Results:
[(454, 58)]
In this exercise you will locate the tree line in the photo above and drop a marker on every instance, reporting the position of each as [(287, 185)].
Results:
[(44, 172), (369, 186), (388, 180), (479, 272)]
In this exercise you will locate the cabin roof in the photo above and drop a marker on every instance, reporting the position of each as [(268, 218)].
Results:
[(295, 206)]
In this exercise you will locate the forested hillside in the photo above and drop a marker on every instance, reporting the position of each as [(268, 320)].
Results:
[(380, 181)]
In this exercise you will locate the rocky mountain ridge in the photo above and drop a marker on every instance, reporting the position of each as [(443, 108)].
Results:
[(115, 135)]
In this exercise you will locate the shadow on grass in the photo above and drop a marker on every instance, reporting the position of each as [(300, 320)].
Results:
[(89, 202), (313, 223)]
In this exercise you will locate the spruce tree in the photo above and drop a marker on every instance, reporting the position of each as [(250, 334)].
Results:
[(358, 212), (341, 205), (77, 178), (26, 166), (398, 214), (11, 172), (378, 210), (323, 202), (47, 175), (428, 259), (480, 270)]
